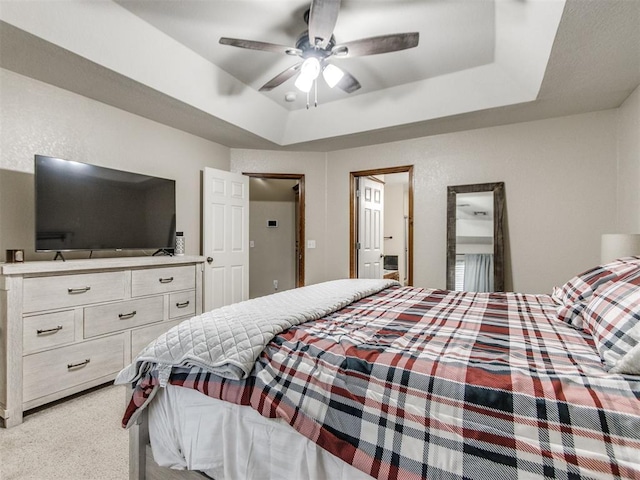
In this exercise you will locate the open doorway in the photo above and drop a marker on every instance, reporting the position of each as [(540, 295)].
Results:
[(392, 222), (276, 233)]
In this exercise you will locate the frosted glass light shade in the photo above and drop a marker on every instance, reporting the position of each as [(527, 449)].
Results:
[(618, 245), (303, 83), (309, 71), (332, 75), (310, 68)]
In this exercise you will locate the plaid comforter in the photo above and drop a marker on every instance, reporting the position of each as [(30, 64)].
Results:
[(412, 383)]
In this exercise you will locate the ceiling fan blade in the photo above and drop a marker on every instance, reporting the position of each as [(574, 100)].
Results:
[(261, 46), (281, 78), (348, 83), (322, 20), (376, 45)]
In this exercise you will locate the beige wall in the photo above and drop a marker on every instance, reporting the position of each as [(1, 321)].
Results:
[(628, 135), (272, 256), (560, 178), (560, 174), (319, 226), (560, 181), (394, 223), (38, 118)]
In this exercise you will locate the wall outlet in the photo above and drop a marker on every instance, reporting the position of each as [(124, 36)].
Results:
[(275, 284)]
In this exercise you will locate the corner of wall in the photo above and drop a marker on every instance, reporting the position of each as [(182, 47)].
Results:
[(628, 164)]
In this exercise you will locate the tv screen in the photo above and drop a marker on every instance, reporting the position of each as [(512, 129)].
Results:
[(85, 207)]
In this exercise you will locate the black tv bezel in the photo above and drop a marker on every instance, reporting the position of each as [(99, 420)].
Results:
[(167, 248)]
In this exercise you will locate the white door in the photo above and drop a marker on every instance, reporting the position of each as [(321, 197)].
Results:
[(225, 238), (370, 228)]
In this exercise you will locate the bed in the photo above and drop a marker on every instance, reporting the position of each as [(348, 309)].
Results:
[(366, 379)]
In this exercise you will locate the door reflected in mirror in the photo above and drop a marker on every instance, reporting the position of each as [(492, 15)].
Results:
[(475, 255)]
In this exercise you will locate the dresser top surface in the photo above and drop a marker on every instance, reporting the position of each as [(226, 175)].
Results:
[(95, 264)]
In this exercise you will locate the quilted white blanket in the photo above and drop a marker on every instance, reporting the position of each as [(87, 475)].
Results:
[(228, 340)]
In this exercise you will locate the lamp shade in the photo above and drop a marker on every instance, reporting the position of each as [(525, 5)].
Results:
[(618, 245)]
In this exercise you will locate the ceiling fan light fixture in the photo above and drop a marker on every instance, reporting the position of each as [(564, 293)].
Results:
[(332, 75), (309, 71), (310, 68), (317, 44), (304, 83)]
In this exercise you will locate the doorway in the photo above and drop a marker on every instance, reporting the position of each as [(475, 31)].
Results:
[(397, 248), (276, 232)]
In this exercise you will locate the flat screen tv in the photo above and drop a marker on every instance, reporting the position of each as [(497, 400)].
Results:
[(85, 207)]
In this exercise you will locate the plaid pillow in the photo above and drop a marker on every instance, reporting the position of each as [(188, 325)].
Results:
[(574, 295), (572, 314), (613, 317)]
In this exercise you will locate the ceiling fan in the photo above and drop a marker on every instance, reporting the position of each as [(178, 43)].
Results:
[(317, 46)]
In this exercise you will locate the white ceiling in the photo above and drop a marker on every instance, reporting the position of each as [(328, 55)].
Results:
[(479, 63), (474, 206), (200, 24)]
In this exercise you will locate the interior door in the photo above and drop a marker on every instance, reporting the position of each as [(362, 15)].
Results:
[(370, 227), (225, 238)]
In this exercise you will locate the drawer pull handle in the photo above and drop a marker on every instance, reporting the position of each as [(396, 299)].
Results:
[(126, 316), (78, 290), (49, 330), (166, 280), (78, 365), (183, 304)]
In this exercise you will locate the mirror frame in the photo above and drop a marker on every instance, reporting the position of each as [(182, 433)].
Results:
[(498, 230)]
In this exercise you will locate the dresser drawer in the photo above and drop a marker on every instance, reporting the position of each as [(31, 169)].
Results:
[(46, 331), (162, 280), (55, 370), (113, 317), (48, 293), (141, 337), (182, 304)]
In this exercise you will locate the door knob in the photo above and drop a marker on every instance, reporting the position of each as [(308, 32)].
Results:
[(209, 260)]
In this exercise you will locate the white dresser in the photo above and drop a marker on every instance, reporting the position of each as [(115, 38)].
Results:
[(69, 326)]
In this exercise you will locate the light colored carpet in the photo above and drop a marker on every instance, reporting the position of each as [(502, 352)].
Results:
[(77, 439)]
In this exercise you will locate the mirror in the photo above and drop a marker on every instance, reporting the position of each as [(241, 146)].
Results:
[(475, 237)]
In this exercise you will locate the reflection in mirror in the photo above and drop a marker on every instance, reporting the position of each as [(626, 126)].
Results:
[(475, 258), (474, 242)]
